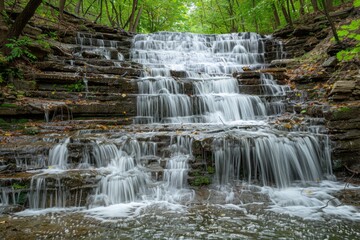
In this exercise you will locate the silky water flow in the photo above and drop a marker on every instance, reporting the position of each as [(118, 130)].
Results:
[(254, 169)]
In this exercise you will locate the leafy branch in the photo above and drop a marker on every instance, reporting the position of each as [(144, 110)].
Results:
[(351, 32), (18, 48)]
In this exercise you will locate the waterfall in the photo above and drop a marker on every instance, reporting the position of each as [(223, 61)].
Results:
[(106, 49), (174, 61), (58, 155), (188, 96), (177, 166), (208, 61), (273, 160)]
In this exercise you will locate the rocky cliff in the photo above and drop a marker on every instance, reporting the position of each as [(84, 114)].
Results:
[(330, 89)]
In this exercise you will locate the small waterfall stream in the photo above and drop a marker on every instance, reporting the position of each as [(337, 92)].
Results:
[(203, 138)]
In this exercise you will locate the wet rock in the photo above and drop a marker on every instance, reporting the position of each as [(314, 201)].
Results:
[(9, 209), (349, 196), (284, 63), (90, 54), (178, 74), (246, 75), (114, 54), (330, 62), (302, 31)]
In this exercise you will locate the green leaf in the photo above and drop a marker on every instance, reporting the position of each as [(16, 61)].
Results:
[(357, 3), (343, 33)]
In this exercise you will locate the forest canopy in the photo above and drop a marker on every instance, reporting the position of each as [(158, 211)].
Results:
[(200, 16)]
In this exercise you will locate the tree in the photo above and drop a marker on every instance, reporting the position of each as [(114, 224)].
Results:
[(331, 22), (61, 9), (286, 12), (302, 7), (276, 15), (2, 5), (350, 31), (78, 6), (315, 5), (21, 20), (2, 22)]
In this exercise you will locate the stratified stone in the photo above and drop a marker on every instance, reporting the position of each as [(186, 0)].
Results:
[(283, 62), (341, 87)]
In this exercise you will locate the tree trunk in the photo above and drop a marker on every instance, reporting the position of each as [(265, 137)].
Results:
[(110, 18), (242, 23), (118, 21), (255, 18), (61, 9), (100, 14), (276, 15), (2, 5), (292, 6), (315, 5), (286, 15), (86, 11), (21, 20), (289, 12), (132, 15), (3, 28), (137, 19), (332, 25), (77, 7), (329, 5), (302, 9)]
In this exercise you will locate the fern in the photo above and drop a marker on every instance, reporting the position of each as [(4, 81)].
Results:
[(19, 49)]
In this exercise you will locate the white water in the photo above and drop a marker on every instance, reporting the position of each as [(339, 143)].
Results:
[(208, 62), (290, 169), (104, 49)]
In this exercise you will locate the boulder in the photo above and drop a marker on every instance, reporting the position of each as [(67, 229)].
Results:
[(341, 87), (330, 62)]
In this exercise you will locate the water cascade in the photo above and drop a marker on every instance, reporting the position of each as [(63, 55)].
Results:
[(205, 117), (206, 62)]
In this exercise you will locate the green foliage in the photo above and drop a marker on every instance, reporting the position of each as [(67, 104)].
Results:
[(211, 170), (53, 35), (201, 181), (344, 109), (3, 64), (17, 186), (10, 72), (78, 86), (18, 48), (200, 178), (31, 130), (351, 33), (43, 41), (12, 124), (8, 105)]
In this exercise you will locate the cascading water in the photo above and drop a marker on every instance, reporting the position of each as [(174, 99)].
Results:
[(197, 124), (207, 62)]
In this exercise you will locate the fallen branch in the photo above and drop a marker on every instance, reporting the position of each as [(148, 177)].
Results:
[(327, 203)]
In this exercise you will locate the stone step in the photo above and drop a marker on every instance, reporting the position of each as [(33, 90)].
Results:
[(76, 96), (60, 81), (62, 67)]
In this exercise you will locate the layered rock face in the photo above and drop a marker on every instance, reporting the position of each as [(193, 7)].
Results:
[(331, 87), (82, 74)]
